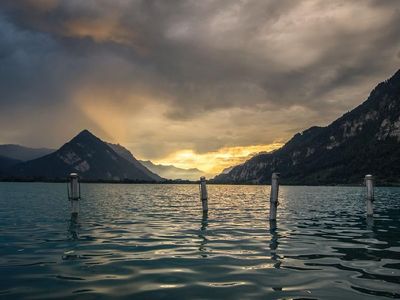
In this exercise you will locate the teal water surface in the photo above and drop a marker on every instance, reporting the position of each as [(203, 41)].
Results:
[(153, 242)]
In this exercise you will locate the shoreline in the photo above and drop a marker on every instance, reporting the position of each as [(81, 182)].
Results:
[(386, 184)]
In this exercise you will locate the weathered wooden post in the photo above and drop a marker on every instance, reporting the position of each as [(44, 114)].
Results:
[(74, 192), (369, 183), (274, 196), (203, 194)]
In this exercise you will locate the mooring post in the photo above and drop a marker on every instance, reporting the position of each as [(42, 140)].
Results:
[(274, 196), (369, 183), (74, 192), (203, 194)]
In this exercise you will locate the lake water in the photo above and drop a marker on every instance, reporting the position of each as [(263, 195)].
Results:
[(152, 242)]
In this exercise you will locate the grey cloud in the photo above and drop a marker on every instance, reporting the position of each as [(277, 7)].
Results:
[(199, 57)]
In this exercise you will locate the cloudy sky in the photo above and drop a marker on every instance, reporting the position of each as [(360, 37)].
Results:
[(194, 83)]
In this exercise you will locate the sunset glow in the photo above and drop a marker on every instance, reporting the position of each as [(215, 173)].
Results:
[(216, 161), (196, 84)]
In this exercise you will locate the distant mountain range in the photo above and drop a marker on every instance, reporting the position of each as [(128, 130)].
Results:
[(365, 140), (23, 153), (172, 172), (85, 154), (126, 154), (91, 157), (159, 172)]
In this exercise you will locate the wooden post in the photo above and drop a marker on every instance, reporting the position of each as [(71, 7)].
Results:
[(274, 196), (369, 183), (203, 194), (74, 192)]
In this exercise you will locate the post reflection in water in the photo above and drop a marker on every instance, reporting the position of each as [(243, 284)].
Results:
[(370, 223), (72, 235), (370, 251), (73, 228), (152, 241), (203, 234), (273, 245)]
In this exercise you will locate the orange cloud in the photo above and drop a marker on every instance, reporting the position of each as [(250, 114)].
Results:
[(215, 161), (103, 30)]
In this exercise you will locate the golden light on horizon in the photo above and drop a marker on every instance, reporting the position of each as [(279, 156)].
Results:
[(215, 162), (138, 119)]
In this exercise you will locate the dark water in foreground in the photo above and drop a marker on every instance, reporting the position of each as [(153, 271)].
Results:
[(152, 242)]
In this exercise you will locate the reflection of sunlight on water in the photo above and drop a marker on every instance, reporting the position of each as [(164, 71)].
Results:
[(224, 284), (170, 286), (260, 266), (153, 241)]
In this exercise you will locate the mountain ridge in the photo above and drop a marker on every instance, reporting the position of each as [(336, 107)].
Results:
[(172, 172), (125, 153), (86, 154), (364, 140), (23, 153)]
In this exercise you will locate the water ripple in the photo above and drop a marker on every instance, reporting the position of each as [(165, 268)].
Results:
[(153, 242)]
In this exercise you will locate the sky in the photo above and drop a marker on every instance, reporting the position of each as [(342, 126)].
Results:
[(204, 84)]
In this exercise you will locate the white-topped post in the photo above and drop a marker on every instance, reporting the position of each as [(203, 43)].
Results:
[(74, 192), (203, 194), (274, 196), (369, 184)]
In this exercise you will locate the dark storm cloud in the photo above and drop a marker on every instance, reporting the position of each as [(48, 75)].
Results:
[(194, 59)]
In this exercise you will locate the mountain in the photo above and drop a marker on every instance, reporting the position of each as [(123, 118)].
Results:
[(6, 163), (364, 140), (125, 153), (227, 170), (23, 153), (172, 172), (85, 154)]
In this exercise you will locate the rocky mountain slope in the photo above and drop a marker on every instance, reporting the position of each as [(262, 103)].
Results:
[(85, 154), (6, 163), (125, 153), (365, 140)]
